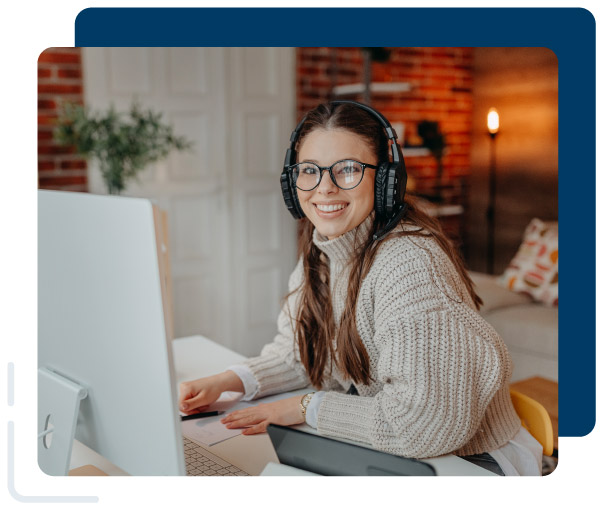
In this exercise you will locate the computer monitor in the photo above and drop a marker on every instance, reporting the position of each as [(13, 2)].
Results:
[(102, 326)]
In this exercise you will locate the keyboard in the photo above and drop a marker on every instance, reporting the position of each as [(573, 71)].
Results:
[(200, 462)]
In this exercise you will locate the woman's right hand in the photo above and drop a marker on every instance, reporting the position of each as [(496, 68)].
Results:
[(196, 395)]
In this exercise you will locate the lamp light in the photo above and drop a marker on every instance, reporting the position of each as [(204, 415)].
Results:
[(493, 126), (493, 121)]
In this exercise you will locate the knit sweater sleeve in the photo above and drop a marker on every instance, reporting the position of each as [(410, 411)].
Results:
[(278, 368), (439, 365)]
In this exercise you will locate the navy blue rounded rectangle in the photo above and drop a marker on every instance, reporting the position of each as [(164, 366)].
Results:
[(569, 32)]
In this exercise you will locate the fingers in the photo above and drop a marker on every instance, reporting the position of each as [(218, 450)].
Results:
[(243, 418), (186, 393), (195, 401), (194, 410), (186, 390), (198, 394), (259, 428), (254, 424), (241, 422)]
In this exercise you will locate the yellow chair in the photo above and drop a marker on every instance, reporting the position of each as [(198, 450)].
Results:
[(534, 419)]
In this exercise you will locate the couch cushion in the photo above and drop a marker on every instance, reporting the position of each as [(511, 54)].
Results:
[(534, 268), (494, 295), (531, 327)]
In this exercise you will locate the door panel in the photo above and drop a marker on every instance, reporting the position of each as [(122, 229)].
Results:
[(232, 241)]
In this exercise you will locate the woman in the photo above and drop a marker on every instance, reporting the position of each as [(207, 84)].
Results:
[(385, 327)]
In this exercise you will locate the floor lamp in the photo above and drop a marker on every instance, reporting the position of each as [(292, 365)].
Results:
[(493, 124)]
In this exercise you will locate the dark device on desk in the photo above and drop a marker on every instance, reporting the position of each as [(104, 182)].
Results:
[(330, 457)]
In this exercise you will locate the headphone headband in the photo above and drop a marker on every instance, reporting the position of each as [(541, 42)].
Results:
[(389, 130)]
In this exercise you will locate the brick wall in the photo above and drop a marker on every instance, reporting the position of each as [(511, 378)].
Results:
[(59, 78), (440, 78), (441, 90)]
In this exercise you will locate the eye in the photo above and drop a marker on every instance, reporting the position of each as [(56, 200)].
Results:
[(307, 169), (348, 168)]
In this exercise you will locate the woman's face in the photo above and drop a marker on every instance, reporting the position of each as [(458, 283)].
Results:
[(325, 147)]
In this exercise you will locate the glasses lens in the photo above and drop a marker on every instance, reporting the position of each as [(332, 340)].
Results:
[(347, 173), (306, 176)]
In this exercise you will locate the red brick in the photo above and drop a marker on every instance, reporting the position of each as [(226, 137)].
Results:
[(44, 135), (46, 104), (54, 88), (73, 164), (45, 165), (51, 56), (49, 120), (52, 149), (62, 181), (319, 81), (44, 72), (69, 73)]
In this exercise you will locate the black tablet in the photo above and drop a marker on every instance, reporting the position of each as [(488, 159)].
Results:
[(330, 457)]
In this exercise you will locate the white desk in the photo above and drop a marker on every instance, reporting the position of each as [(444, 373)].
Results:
[(197, 356)]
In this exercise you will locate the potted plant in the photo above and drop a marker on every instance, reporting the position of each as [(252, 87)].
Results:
[(123, 144)]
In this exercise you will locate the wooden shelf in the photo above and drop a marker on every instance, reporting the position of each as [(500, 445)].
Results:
[(415, 151), (442, 210), (375, 88)]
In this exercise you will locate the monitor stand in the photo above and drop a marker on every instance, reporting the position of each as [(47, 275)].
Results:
[(58, 407)]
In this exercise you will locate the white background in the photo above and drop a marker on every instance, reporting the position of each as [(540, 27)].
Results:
[(27, 28)]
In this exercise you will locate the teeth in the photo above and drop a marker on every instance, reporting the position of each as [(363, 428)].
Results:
[(331, 207)]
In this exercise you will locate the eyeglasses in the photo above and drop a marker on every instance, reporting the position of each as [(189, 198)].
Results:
[(345, 174)]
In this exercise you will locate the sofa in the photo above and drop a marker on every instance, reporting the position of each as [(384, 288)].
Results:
[(529, 329)]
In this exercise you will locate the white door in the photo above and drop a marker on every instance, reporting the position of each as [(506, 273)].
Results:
[(233, 243)]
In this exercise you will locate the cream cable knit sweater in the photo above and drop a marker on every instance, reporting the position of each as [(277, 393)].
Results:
[(441, 372)]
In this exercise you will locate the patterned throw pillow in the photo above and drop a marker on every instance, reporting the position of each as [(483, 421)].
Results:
[(534, 269)]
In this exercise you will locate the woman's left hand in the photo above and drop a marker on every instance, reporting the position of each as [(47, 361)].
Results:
[(285, 412)]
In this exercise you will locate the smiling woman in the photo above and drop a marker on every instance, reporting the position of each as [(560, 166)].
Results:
[(381, 316)]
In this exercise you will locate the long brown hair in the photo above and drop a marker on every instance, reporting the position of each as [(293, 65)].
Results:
[(314, 327)]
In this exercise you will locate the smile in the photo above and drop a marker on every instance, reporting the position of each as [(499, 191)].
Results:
[(330, 207)]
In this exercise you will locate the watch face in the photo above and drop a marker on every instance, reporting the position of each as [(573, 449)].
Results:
[(305, 400)]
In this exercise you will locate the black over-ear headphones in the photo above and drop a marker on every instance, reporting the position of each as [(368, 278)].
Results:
[(390, 177)]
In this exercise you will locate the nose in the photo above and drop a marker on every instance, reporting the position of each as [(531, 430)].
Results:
[(326, 186)]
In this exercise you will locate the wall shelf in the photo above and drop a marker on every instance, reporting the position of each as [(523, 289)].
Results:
[(415, 151), (442, 210), (374, 88)]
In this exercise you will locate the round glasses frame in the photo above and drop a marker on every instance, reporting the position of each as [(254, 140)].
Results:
[(292, 168)]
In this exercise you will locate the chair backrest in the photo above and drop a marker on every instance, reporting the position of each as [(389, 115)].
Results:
[(534, 419)]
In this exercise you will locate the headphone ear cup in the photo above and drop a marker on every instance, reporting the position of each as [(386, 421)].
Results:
[(395, 187), (297, 208), (290, 197), (381, 178)]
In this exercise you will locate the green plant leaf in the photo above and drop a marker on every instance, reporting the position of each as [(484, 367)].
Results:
[(123, 144)]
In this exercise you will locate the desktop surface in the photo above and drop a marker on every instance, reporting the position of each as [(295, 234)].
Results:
[(197, 356)]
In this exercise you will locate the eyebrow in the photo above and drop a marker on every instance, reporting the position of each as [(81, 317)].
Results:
[(341, 159)]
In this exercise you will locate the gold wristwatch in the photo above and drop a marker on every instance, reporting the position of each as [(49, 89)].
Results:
[(304, 403)]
